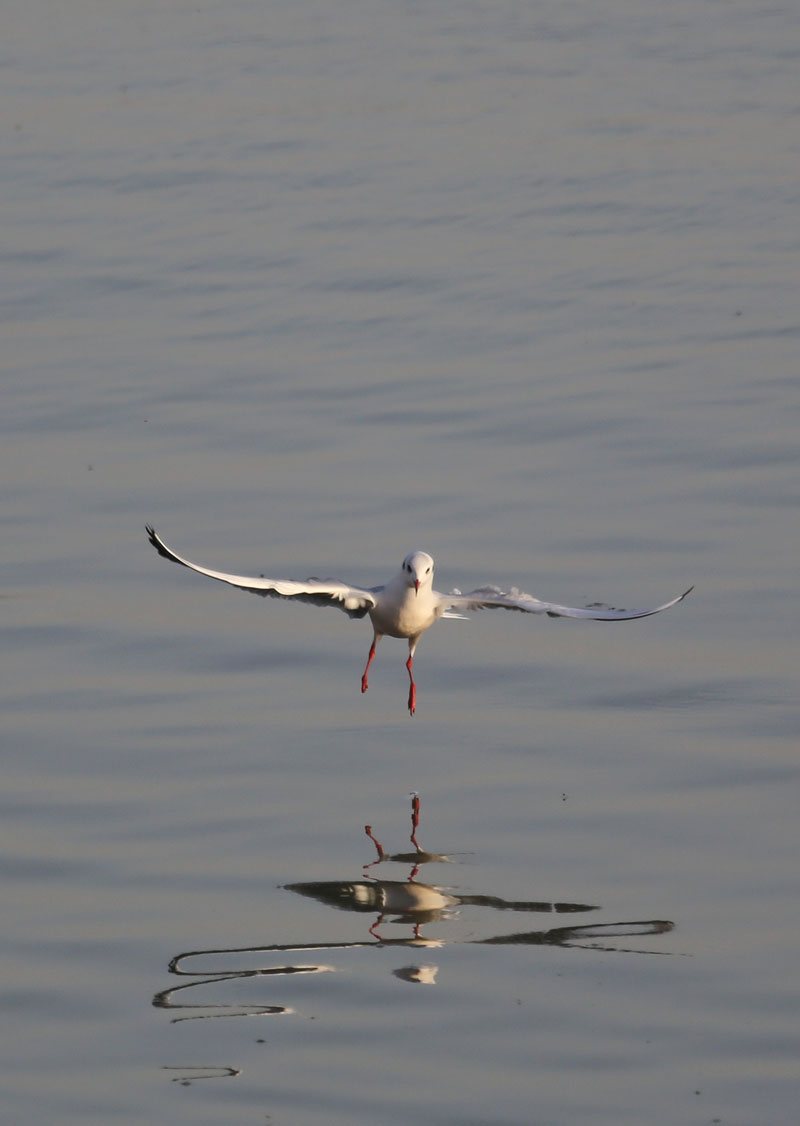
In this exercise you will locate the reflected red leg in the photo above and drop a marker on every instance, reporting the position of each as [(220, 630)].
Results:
[(415, 821), (375, 841)]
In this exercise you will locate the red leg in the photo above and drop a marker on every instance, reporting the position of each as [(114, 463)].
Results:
[(412, 692), (364, 684)]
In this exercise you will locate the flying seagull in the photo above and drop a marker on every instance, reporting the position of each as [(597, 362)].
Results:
[(405, 606)]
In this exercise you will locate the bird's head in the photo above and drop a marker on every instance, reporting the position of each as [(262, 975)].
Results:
[(418, 570)]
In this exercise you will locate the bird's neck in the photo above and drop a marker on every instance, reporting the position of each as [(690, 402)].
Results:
[(401, 594)]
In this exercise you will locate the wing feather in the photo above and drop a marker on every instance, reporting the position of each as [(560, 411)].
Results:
[(490, 597), (354, 601)]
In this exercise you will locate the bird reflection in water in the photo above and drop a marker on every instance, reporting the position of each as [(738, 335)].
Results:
[(406, 903), (415, 904)]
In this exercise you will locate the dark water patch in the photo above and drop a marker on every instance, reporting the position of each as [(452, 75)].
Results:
[(130, 184), (740, 458), (692, 697), (253, 660), (19, 638), (297, 390), (377, 283), (529, 430), (280, 145), (423, 418), (340, 332), (43, 869), (749, 495), (31, 257), (86, 701), (51, 1004), (756, 334), (781, 721), (424, 221), (342, 224), (737, 774), (118, 284), (343, 178), (240, 263), (635, 545)]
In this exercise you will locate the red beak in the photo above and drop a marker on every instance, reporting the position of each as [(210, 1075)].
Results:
[(416, 586)]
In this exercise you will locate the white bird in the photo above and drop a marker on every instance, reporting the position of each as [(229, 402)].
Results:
[(405, 606)]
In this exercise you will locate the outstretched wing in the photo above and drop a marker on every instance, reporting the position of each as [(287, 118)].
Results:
[(319, 592), (490, 597)]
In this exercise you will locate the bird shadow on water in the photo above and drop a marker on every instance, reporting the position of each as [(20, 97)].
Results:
[(411, 904)]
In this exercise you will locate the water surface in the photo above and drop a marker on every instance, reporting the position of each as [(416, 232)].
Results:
[(310, 289)]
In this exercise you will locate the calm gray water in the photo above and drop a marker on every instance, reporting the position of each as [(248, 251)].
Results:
[(309, 286)]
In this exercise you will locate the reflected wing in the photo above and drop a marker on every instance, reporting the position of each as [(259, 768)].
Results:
[(319, 592), (490, 597)]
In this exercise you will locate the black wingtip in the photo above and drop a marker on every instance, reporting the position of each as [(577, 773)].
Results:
[(156, 542)]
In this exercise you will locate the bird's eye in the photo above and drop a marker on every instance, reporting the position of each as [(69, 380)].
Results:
[(427, 571)]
